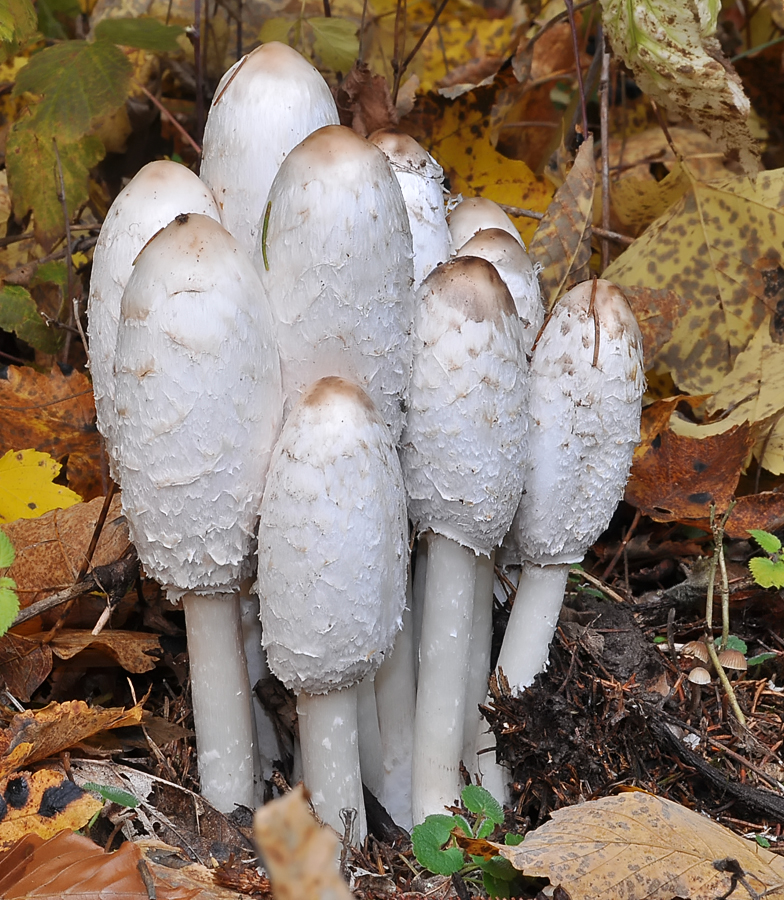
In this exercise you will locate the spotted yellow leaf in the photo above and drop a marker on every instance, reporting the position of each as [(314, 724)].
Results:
[(26, 488), (720, 249)]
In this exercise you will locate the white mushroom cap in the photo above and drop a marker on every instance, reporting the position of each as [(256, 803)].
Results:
[(476, 214), (463, 447), (585, 423), (159, 192), (422, 182), (332, 542), (517, 272), (199, 405), (338, 270), (263, 107)]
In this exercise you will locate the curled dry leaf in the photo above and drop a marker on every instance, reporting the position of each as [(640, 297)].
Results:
[(50, 550), (639, 847), (53, 413), (135, 651), (38, 734), (562, 242), (25, 663)]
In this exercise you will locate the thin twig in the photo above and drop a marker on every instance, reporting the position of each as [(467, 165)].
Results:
[(576, 49), (597, 331), (199, 70), (533, 214), (69, 249), (165, 112), (423, 37), (78, 321), (604, 119), (622, 547), (598, 583)]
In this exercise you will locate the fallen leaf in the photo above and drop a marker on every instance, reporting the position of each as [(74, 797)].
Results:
[(639, 847), (50, 550), (299, 854), (562, 241), (37, 734), (135, 651), (364, 101), (657, 312), (720, 248), (53, 413), (27, 490), (671, 48), (25, 664), (70, 865), (42, 803), (637, 202)]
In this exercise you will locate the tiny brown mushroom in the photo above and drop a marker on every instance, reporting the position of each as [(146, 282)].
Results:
[(697, 678), (695, 652), (733, 662)]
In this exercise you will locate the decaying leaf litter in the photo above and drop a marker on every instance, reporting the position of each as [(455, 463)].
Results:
[(615, 709)]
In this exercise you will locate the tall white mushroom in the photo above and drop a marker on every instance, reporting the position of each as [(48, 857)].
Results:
[(422, 182), (462, 453), (332, 570), (159, 192), (334, 257), (263, 107), (586, 386), (198, 401)]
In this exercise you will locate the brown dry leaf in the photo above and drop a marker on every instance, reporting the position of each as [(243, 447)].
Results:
[(764, 511), (135, 651), (38, 734), (562, 241), (639, 847), (24, 664), (55, 414), (70, 865), (42, 803), (678, 478), (50, 550), (657, 312), (364, 101), (720, 248), (299, 854)]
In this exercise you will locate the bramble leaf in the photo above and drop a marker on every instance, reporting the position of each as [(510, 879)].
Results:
[(98, 79), (19, 314), (481, 802), (769, 542), (429, 839), (18, 22), (143, 33), (767, 573)]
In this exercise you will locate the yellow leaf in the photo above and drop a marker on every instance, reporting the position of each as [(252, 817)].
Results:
[(26, 489), (461, 144), (720, 249), (636, 845)]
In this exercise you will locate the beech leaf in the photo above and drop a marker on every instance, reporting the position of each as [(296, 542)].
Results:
[(639, 847)]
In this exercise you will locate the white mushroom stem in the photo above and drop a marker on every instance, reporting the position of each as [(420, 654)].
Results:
[(220, 693), (329, 737), (396, 704), (371, 757), (443, 673), (418, 595), (532, 622), (479, 660)]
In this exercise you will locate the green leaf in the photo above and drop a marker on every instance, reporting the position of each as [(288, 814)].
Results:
[(336, 41), (429, 839), (482, 803), (769, 542), (97, 82), (276, 30), (51, 15), (766, 572), (112, 794), (760, 658), (7, 555), (34, 180), (19, 314), (18, 22), (499, 867), (762, 841), (53, 272), (143, 33), (9, 608), (736, 643), (513, 840)]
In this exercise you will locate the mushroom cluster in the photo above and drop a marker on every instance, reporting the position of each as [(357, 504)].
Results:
[(300, 390)]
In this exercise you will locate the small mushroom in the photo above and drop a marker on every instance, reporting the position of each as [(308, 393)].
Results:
[(733, 662), (476, 214), (698, 678), (696, 652)]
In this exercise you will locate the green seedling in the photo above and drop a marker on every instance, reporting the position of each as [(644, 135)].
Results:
[(437, 850), (767, 571), (9, 599)]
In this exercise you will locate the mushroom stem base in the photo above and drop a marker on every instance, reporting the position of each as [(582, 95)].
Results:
[(329, 737), (220, 691)]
